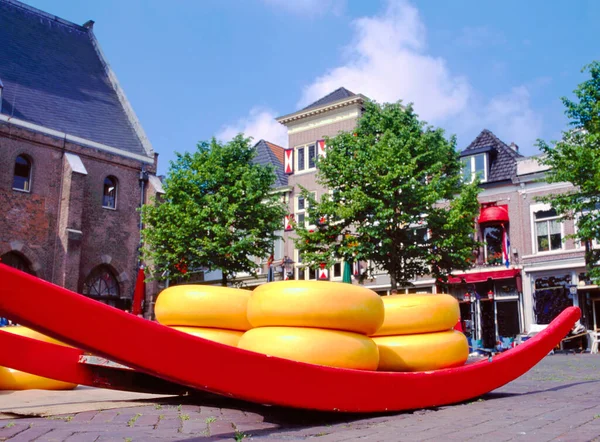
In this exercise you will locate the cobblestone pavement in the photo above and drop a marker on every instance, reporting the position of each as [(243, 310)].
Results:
[(557, 400)]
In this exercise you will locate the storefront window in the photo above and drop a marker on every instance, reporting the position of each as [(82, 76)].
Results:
[(551, 297)]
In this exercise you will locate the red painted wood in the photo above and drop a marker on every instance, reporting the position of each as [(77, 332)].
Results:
[(233, 372), (62, 363)]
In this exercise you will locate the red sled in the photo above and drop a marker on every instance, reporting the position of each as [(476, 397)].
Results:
[(199, 364)]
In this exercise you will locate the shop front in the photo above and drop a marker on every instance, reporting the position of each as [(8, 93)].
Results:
[(490, 306)]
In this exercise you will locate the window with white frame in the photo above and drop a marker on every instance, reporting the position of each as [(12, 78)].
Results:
[(548, 230), (475, 166), (306, 157), (303, 272), (301, 212)]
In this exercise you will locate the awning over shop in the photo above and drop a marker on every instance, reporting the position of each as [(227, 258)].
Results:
[(495, 214), (472, 278)]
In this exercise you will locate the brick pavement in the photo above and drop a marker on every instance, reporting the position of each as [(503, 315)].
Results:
[(557, 400)]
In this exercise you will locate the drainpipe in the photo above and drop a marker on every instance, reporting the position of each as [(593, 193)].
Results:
[(143, 180)]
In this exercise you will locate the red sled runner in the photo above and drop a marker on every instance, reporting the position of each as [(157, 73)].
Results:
[(180, 359)]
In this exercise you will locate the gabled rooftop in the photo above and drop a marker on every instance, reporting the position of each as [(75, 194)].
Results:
[(503, 158), (271, 154), (336, 95), (55, 76), (339, 98)]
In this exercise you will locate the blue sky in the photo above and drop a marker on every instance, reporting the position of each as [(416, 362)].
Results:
[(197, 69)]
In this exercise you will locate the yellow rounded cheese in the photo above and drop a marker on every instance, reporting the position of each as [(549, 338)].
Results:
[(220, 335), (11, 379), (318, 304), (18, 380), (203, 306), (424, 352), (29, 333), (333, 348), (424, 313)]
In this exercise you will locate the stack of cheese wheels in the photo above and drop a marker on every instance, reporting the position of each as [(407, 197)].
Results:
[(18, 380), (417, 334), (214, 313), (317, 322)]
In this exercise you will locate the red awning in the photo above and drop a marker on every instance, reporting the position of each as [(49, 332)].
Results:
[(493, 214), (472, 278)]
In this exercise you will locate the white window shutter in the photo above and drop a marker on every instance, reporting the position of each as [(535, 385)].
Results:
[(321, 148), (288, 222), (323, 274), (288, 163)]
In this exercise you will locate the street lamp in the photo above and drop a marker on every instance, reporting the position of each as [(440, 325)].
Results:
[(288, 268)]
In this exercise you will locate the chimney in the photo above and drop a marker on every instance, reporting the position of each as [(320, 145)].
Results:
[(514, 147), (89, 24)]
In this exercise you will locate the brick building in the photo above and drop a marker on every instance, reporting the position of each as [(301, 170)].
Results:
[(75, 164)]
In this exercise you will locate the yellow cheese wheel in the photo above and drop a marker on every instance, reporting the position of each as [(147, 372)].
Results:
[(220, 335), (203, 306), (29, 333), (315, 346), (318, 304), (424, 313), (423, 352), (11, 379), (19, 380)]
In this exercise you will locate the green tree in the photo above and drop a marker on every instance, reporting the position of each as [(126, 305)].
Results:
[(576, 159), (218, 211), (392, 180)]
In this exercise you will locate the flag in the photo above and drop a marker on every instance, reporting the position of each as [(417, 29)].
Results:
[(270, 273), (505, 246), (139, 292)]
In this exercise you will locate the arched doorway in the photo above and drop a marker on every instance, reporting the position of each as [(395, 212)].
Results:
[(18, 261), (102, 285)]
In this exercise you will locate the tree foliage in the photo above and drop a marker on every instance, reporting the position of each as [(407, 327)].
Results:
[(576, 159), (392, 179), (217, 212)]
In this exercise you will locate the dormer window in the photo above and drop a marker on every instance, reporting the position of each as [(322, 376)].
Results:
[(475, 166)]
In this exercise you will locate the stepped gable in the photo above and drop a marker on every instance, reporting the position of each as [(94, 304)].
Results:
[(55, 76), (338, 94), (503, 161), (269, 153)]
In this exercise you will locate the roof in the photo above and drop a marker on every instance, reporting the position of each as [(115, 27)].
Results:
[(271, 154), (55, 76), (338, 94), (503, 158)]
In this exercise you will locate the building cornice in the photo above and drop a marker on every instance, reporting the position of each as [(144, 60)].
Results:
[(355, 99), (73, 139)]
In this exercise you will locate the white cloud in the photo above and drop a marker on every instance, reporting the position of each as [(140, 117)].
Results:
[(511, 115), (387, 62), (260, 123), (309, 7)]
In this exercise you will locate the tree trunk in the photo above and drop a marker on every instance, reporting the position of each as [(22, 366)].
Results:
[(223, 279)]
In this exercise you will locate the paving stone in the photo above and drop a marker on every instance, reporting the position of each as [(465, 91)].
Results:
[(555, 400), (12, 428), (30, 434)]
